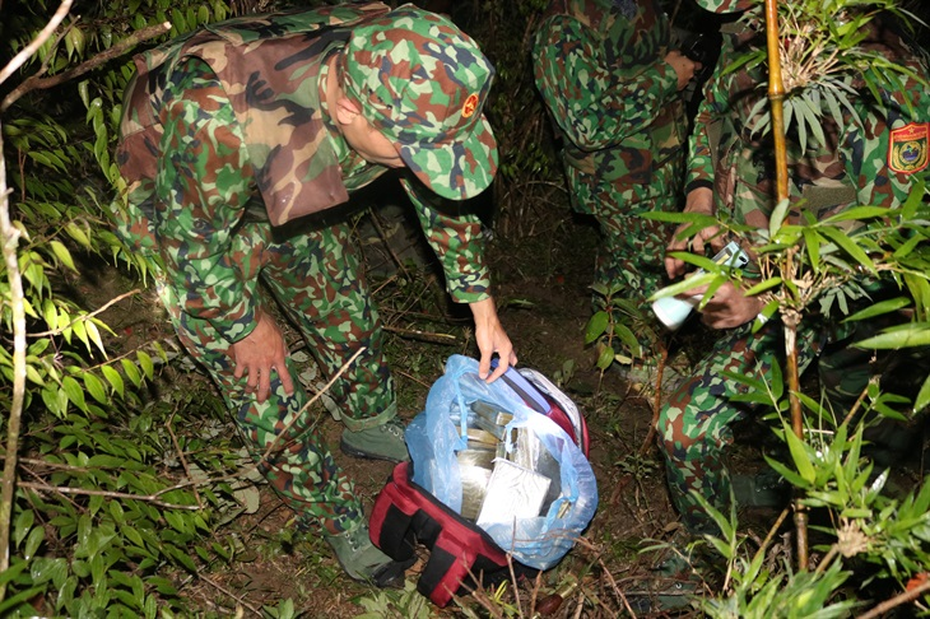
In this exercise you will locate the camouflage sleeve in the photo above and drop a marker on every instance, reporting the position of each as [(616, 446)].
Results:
[(457, 239), (596, 105), (700, 161), (204, 184), (700, 172)]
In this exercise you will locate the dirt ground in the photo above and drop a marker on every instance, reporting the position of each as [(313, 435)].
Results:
[(541, 285), (542, 291)]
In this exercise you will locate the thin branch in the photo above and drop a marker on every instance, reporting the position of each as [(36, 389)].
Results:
[(426, 336), (239, 600), (177, 447), (273, 444), (40, 83), (150, 498), (901, 598), (27, 52), (9, 238)]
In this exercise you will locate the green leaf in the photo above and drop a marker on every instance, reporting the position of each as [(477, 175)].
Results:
[(857, 213), (13, 601), (61, 252), (628, 338), (33, 541), (95, 388), (596, 327), (74, 391), (812, 244), (50, 314), (132, 372), (880, 308), (115, 379), (923, 397), (145, 362), (778, 217), (93, 334), (842, 240), (44, 569), (799, 455), (78, 234), (605, 358), (917, 334)]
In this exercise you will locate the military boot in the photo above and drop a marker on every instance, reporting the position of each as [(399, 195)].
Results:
[(384, 442), (362, 560)]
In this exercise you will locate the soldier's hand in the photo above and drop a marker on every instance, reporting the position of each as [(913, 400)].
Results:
[(258, 354), (684, 67), (700, 200), (491, 338), (729, 308)]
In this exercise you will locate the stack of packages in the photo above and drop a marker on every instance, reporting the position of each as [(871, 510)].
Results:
[(507, 474)]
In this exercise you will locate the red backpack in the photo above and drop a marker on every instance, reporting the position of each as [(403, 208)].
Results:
[(461, 553)]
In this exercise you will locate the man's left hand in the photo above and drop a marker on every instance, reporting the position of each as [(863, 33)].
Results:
[(491, 338)]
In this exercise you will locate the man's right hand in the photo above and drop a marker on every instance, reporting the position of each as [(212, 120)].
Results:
[(700, 200), (684, 67), (260, 352)]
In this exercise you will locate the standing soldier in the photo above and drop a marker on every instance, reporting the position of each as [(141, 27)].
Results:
[(613, 89), (731, 171), (236, 140)]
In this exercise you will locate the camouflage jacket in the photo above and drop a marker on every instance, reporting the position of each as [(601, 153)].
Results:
[(602, 74), (271, 68), (873, 161)]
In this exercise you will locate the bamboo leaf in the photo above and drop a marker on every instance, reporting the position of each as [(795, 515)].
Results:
[(764, 285), (132, 372), (115, 379), (812, 245), (61, 252), (880, 308), (800, 456), (778, 217), (858, 213), (74, 391), (145, 362), (923, 397), (917, 334), (95, 387), (849, 246)]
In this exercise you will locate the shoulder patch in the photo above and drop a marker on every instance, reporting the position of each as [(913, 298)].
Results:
[(908, 148)]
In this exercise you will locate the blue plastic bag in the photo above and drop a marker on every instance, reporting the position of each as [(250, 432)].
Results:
[(437, 434)]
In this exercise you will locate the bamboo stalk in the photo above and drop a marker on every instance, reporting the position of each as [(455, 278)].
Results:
[(776, 94)]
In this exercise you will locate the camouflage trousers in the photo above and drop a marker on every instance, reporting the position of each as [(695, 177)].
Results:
[(309, 268), (632, 252), (695, 424), (316, 282)]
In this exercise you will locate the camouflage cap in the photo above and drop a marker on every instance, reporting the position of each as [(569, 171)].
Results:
[(423, 83)]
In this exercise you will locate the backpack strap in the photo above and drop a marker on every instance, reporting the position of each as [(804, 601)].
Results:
[(461, 554)]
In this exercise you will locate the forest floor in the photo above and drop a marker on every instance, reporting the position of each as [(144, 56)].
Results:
[(541, 286), (542, 290)]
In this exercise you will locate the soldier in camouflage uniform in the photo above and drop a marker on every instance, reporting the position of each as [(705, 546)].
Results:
[(613, 88), (875, 162), (236, 141)]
